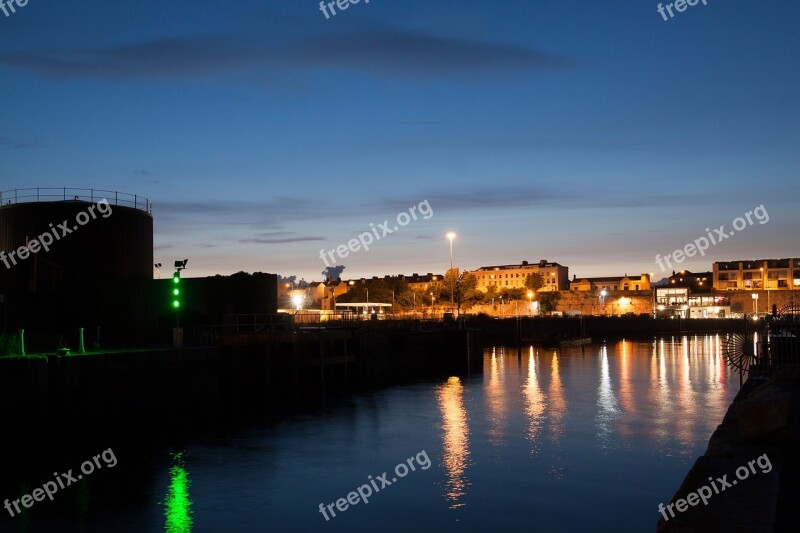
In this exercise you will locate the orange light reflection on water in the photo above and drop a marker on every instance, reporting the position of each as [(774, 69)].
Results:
[(455, 436)]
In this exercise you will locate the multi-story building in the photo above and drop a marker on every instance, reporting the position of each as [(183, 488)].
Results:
[(556, 277), (697, 281), (623, 283), (420, 283), (758, 274), (691, 295)]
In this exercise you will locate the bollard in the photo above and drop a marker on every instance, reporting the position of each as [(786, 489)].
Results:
[(22, 342), (177, 337), (80, 341)]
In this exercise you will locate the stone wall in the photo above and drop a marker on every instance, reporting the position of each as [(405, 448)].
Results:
[(587, 303), (637, 302)]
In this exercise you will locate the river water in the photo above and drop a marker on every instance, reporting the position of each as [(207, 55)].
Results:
[(547, 440)]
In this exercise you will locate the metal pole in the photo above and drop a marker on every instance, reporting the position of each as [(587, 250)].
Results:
[(452, 282)]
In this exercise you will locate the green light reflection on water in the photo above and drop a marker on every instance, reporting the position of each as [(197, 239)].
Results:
[(178, 503)]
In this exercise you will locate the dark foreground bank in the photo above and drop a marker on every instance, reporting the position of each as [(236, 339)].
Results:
[(748, 478)]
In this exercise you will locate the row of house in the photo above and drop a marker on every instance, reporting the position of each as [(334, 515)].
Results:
[(685, 293)]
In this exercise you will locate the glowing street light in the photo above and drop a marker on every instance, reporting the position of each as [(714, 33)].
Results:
[(530, 300), (297, 300)]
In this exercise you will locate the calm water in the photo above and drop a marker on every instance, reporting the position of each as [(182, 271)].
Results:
[(552, 441)]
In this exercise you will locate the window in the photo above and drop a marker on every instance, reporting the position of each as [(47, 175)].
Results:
[(732, 285), (723, 277), (782, 284), (637, 288), (747, 275)]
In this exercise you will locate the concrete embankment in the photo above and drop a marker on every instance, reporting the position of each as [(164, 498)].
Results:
[(554, 329), (239, 374), (755, 447)]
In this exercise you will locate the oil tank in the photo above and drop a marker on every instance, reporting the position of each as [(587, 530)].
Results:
[(85, 237)]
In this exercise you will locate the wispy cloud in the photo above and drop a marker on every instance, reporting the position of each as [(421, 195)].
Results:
[(19, 145), (280, 240), (385, 52)]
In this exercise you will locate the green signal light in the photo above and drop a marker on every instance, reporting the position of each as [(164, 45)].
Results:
[(176, 292), (176, 304), (176, 279)]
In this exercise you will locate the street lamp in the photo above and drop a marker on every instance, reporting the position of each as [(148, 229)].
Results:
[(432, 299), (653, 287), (755, 302), (530, 300), (451, 235), (603, 294)]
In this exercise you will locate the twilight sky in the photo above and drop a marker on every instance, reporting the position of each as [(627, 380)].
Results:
[(592, 133)]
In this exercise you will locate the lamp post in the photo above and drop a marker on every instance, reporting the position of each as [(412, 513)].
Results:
[(432, 299), (603, 294), (530, 300), (451, 235), (654, 293), (755, 302)]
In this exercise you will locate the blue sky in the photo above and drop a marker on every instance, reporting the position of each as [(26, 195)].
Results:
[(590, 133)]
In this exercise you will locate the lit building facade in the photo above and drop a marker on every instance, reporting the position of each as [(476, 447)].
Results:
[(691, 295), (623, 283), (556, 277), (758, 274)]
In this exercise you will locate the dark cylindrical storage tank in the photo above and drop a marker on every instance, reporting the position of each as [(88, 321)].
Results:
[(102, 237), (91, 269)]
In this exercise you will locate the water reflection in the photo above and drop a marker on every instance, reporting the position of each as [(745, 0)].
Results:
[(178, 503), (496, 396), (660, 400), (558, 402), (534, 403), (684, 397), (627, 402), (606, 403), (455, 439)]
